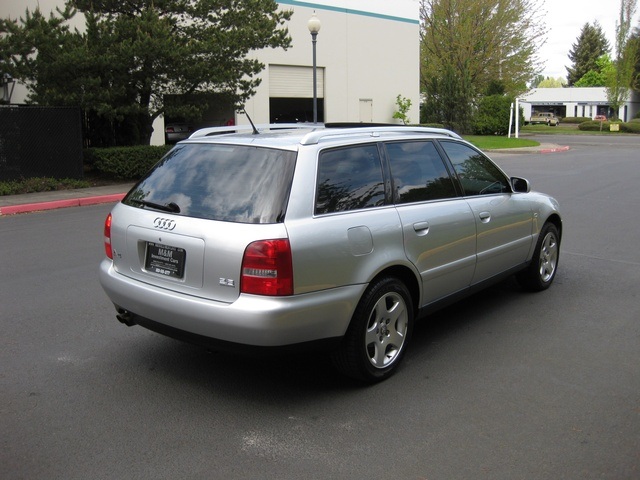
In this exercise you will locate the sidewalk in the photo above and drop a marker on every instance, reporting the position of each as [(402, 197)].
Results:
[(33, 202)]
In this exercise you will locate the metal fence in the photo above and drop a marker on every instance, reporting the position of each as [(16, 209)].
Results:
[(40, 142)]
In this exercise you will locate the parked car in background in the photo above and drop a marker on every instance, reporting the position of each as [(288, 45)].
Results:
[(332, 238), (174, 132), (547, 118)]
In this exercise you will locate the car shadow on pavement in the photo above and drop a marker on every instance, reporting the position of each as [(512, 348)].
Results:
[(300, 376)]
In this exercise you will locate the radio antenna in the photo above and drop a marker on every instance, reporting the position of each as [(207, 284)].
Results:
[(255, 130)]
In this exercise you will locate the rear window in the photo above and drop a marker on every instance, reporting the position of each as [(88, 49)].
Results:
[(230, 183), (349, 179)]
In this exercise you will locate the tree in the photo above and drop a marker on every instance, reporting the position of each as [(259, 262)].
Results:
[(552, 83), (619, 80), (536, 81), (633, 44), (135, 55), (584, 54), (597, 77), (42, 49), (465, 44), (403, 104)]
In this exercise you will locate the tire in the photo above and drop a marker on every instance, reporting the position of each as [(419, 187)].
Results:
[(378, 334), (540, 273)]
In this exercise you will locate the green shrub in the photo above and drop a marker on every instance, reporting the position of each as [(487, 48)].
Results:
[(126, 163), (492, 117), (630, 127), (576, 119), (39, 184), (594, 126)]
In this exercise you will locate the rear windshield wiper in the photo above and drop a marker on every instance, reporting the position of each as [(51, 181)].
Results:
[(169, 207)]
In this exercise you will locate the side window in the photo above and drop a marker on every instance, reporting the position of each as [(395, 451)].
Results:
[(418, 172), (349, 179), (477, 174)]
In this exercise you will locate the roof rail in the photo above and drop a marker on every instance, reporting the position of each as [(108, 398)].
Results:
[(204, 132), (314, 137)]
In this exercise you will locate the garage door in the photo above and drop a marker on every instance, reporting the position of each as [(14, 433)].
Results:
[(287, 81)]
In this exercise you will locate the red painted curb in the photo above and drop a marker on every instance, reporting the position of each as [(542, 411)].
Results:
[(70, 202), (554, 150)]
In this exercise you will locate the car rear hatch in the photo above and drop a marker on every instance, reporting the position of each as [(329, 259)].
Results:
[(186, 225)]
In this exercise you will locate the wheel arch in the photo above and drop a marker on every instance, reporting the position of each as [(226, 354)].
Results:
[(406, 276), (555, 220)]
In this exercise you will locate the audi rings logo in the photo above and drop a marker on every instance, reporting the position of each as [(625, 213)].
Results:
[(164, 224)]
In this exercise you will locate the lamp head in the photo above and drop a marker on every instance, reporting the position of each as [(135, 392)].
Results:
[(314, 24)]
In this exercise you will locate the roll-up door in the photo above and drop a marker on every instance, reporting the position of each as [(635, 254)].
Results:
[(286, 81)]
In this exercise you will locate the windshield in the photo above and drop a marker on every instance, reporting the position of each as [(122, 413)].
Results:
[(219, 182)]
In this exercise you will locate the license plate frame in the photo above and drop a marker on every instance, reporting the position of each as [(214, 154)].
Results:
[(165, 260)]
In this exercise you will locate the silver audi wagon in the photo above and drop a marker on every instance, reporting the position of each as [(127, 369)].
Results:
[(317, 237)]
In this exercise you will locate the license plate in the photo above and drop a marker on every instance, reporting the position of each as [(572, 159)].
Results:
[(165, 260)]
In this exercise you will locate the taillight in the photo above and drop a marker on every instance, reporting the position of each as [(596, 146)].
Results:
[(267, 268), (107, 237)]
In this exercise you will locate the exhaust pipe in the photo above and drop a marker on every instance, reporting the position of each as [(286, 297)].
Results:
[(125, 317)]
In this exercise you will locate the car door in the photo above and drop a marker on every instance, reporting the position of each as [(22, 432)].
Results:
[(438, 224), (504, 219), (352, 230)]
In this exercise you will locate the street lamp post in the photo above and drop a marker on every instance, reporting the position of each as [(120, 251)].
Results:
[(314, 28)]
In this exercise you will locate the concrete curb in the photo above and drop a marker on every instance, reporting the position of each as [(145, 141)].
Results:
[(555, 149), (544, 148), (63, 203)]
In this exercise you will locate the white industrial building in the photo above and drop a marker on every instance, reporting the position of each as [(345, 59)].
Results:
[(367, 53), (577, 102)]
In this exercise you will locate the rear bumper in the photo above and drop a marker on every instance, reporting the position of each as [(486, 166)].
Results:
[(251, 320)]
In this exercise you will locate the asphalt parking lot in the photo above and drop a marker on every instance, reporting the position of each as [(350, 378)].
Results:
[(505, 385)]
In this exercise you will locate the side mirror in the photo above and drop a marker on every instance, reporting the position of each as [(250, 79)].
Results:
[(520, 185)]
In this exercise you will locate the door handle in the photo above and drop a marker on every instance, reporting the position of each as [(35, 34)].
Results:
[(421, 228), (485, 217)]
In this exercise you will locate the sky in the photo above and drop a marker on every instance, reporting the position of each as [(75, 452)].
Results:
[(565, 19)]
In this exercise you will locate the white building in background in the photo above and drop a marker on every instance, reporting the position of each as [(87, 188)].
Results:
[(368, 53), (577, 102)]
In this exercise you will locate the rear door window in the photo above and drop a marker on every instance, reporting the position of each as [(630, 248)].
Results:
[(418, 172), (349, 179), (219, 182)]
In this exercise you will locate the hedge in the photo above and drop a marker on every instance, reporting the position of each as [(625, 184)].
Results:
[(594, 126), (125, 163), (576, 119)]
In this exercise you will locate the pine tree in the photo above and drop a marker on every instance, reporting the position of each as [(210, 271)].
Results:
[(590, 45), (136, 55)]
